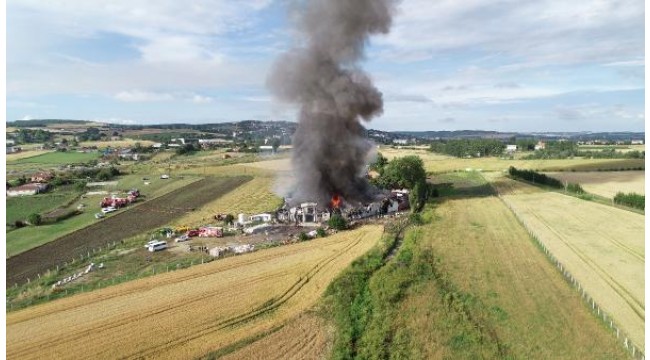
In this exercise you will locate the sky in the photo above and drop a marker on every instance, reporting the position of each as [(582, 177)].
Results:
[(505, 65)]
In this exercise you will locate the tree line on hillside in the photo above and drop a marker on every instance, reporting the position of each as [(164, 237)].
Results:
[(28, 136), (468, 147)]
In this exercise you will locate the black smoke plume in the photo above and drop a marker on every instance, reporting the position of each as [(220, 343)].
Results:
[(323, 77)]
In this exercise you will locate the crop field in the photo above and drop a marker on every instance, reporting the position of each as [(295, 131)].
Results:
[(218, 305), (492, 294), (250, 198), (116, 143), (601, 246), (58, 158), (608, 183), (303, 338), (26, 154), (138, 219), (438, 163)]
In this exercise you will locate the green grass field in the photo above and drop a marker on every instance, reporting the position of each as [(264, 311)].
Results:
[(19, 208), (26, 238), (58, 158)]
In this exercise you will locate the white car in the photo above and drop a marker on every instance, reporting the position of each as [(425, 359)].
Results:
[(164, 176), (109, 209), (182, 238), (146, 246), (99, 216)]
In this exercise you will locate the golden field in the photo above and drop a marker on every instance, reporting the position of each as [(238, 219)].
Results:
[(509, 292), (439, 163), (117, 143), (606, 183), (303, 338), (26, 154), (188, 313), (603, 247), (253, 197)]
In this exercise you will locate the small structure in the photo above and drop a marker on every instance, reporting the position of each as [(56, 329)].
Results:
[(266, 148), (540, 145), (27, 189), (636, 142), (511, 148)]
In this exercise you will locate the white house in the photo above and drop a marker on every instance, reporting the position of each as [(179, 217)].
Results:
[(400, 141), (511, 148), (266, 148), (636, 142)]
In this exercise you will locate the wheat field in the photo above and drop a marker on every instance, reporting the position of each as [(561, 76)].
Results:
[(606, 183), (253, 197), (188, 313), (601, 246)]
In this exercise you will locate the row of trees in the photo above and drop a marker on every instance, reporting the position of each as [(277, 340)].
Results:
[(632, 200), (28, 136), (535, 177), (469, 147)]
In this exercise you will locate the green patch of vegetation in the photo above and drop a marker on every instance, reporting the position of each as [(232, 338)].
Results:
[(633, 200), (462, 183), (535, 177), (20, 207), (469, 147), (59, 158)]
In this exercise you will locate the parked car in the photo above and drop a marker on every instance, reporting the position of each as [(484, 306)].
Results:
[(193, 232), (99, 215), (164, 176), (158, 245), (109, 209), (145, 178), (182, 238)]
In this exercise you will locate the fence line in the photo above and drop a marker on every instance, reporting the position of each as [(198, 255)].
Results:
[(595, 308)]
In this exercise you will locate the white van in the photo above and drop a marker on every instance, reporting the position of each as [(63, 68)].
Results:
[(157, 245)]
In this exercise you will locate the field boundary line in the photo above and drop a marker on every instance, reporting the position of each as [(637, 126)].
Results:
[(595, 309)]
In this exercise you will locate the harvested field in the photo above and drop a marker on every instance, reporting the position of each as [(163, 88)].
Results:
[(493, 294), (141, 218), (274, 165), (253, 197), (601, 246), (303, 338), (192, 312), (606, 183), (117, 143)]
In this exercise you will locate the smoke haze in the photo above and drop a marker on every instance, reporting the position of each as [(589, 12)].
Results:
[(322, 76)]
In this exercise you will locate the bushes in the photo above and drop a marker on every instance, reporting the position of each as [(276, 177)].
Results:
[(337, 222), (535, 177), (633, 200), (575, 188), (34, 219)]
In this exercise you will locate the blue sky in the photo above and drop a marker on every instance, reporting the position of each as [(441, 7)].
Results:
[(508, 65)]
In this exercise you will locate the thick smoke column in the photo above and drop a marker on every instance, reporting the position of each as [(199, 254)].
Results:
[(334, 94)]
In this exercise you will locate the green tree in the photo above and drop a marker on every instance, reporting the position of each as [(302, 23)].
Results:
[(337, 222), (34, 219), (379, 163), (403, 172), (276, 144), (321, 232)]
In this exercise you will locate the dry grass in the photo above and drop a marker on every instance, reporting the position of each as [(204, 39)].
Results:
[(438, 163), (26, 154), (188, 313), (279, 165), (253, 197), (305, 337), (601, 246), (510, 292), (606, 183)]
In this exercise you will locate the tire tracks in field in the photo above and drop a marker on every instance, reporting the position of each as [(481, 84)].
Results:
[(245, 317), (124, 320)]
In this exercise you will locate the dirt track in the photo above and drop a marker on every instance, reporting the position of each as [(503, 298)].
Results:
[(141, 218)]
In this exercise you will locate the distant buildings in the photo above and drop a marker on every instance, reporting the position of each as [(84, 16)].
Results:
[(636, 142), (511, 148), (540, 145)]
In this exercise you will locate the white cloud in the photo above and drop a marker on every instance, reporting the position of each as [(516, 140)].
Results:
[(200, 99), (142, 96), (538, 31)]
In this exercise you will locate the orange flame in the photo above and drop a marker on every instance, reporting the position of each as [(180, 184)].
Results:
[(336, 201)]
